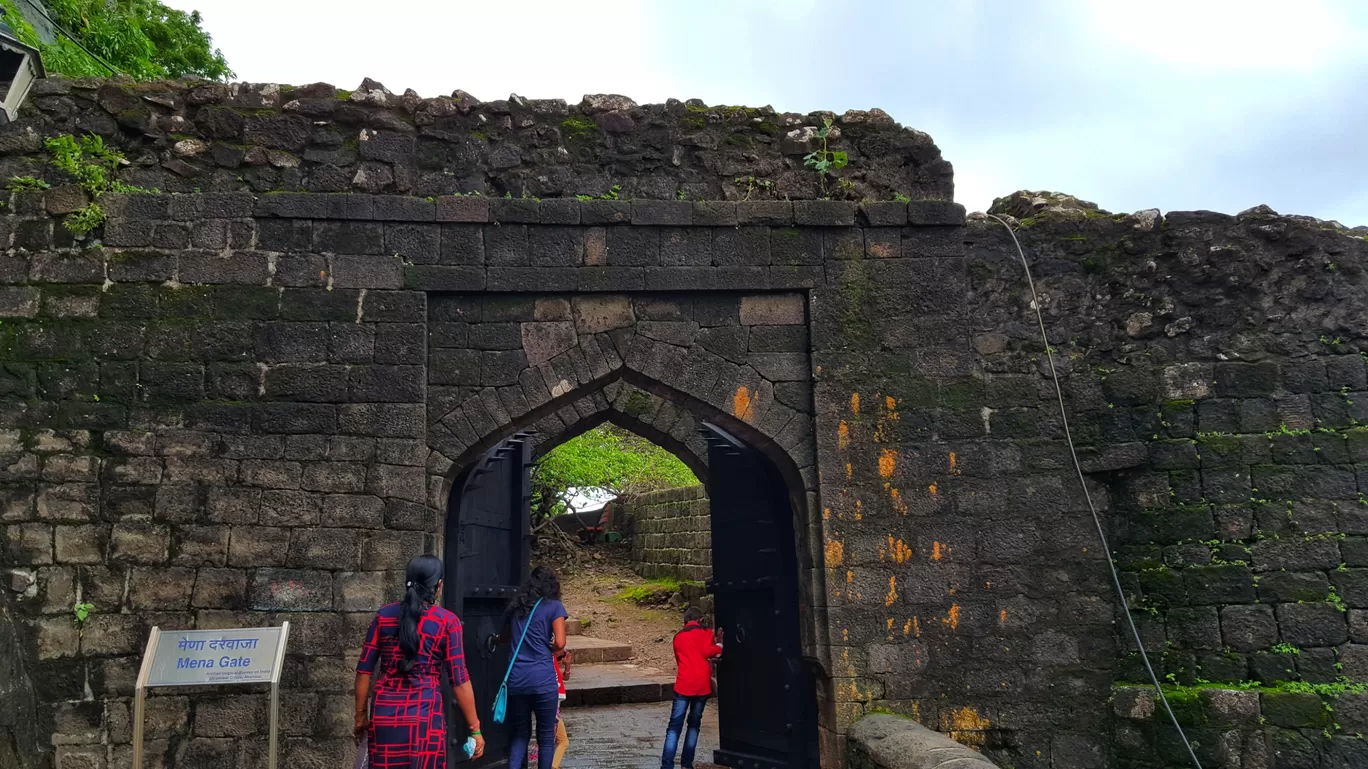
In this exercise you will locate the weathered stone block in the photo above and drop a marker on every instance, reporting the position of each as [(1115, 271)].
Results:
[(290, 590), (233, 716), (161, 589), (773, 310), (363, 591), (1312, 624), (1293, 709), (777, 213), (824, 213), (714, 213), (288, 508), (935, 213), (462, 209), (397, 481), (324, 548), (139, 542), (632, 247), (254, 546)]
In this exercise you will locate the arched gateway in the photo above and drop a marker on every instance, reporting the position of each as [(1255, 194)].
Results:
[(767, 700)]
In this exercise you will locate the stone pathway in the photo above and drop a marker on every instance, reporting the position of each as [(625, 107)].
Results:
[(628, 736)]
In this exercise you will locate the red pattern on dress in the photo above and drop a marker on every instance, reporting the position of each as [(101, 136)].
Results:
[(408, 720)]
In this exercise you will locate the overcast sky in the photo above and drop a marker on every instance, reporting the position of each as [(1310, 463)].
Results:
[(1174, 104)]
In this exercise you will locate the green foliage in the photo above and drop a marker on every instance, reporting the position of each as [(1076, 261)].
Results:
[(26, 184), (82, 612), (605, 457), (901, 198), (1285, 648), (577, 128), (93, 166), (824, 160), (654, 592), (752, 184), (85, 220), (613, 193), (140, 38)]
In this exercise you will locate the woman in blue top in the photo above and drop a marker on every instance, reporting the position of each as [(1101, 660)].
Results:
[(532, 685)]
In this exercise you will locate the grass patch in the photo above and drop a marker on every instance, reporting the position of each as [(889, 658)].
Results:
[(656, 592)]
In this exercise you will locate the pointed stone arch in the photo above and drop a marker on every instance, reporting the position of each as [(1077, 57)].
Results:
[(658, 365), (568, 358)]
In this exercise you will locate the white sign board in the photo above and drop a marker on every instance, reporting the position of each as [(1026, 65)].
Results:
[(209, 657), (199, 657)]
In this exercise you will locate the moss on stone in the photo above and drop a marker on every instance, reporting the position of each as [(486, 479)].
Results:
[(578, 128)]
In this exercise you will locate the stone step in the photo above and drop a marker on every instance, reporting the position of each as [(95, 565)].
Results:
[(591, 685), (574, 627), (585, 650)]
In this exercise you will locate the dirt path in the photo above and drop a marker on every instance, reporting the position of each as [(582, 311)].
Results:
[(592, 595)]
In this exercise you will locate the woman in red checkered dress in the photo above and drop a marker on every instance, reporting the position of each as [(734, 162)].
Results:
[(412, 642)]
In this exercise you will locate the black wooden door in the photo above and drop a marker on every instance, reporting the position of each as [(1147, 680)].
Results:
[(766, 697), (488, 545)]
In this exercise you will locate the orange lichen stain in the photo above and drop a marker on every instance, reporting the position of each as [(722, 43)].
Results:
[(892, 595), (1002, 616), (819, 371), (855, 403), (845, 634), (850, 577), (932, 489), (849, 470), (888, 462), (890, 623), (896, 549), (859, 510), (835, 553), (954, 469), (965, 725), (907, 626), (890, 416), (916, 628), (936, 551), (842, 435), (898, 503), (826, 513), (741, 402), (889, 403), (952, 616)]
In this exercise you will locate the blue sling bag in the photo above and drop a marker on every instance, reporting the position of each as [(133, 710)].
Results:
[(501, 701)]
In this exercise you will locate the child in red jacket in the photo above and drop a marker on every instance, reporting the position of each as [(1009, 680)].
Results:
[(694, 646)]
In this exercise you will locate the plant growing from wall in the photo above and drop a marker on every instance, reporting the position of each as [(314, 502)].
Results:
[(143, 39), (613, 193), (825, 159), (93, 166), (26, 184), (81, 612)]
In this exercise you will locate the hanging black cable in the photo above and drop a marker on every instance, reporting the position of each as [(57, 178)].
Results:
[(1082, 482)]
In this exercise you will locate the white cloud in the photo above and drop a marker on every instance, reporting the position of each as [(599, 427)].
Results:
[(1228, 35)]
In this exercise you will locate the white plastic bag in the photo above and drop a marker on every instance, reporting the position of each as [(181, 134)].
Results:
[(363, 752)]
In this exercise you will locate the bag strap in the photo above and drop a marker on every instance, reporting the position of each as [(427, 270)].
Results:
[(521, 638)]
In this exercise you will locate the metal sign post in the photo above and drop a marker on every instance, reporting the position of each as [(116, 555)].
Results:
[(211, 657)]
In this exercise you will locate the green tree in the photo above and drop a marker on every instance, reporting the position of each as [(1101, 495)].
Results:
[(606, 457), (140, 38)]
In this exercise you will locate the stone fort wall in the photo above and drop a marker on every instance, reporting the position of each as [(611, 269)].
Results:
[(225, 413), (671, 533)]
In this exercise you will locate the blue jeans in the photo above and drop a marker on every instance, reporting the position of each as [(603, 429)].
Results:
[(694, 706), (520, 710)]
